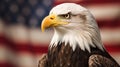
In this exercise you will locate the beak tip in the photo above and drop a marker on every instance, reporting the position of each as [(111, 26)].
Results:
[(42, 29)]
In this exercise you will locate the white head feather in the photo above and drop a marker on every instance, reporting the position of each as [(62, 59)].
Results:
[(82, 29)]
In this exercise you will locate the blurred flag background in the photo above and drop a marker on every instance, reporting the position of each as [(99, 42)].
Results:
[(21, 41)]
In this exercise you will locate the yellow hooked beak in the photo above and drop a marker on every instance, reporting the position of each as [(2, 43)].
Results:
[(51, 21)]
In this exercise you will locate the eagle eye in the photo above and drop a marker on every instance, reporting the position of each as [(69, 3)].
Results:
[(66, 16)]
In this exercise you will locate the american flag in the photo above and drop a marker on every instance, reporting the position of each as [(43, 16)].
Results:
[(21, 41)]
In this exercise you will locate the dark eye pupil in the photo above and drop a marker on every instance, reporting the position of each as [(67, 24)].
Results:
[(66, 16)]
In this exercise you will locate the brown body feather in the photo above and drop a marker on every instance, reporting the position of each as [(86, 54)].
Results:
[(64, 56)]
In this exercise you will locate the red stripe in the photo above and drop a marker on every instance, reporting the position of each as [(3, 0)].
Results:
[(26, 47), (95, 2), (88, 2), (113, 48), (23, 47), (40, 49), (2, 38), (109, 23), (6, 64)]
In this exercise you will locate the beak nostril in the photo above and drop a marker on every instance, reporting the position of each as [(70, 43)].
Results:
[(51, 18)]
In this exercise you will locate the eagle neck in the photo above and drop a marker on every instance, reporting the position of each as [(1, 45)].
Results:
[(84, 40)]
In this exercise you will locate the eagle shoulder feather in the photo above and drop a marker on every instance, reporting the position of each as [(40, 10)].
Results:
[(42, 61), (101, 61)]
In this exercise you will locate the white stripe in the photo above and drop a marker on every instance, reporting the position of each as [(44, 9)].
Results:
[(3, 53), (21, 34), (26, 60), (105, 11), (38, 37), (6, 55), (111, 36), (17, 33)]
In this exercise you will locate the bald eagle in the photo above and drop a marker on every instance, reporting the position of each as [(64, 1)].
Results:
[(76, 41)]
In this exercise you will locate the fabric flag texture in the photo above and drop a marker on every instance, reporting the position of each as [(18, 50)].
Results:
[(21, 41)]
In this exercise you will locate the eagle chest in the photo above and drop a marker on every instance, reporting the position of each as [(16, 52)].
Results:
[(64, 56)]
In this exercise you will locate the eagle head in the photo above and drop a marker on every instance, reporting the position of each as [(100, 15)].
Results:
[(73, 24)]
